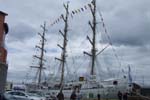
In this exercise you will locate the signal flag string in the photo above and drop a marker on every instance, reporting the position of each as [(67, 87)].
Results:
[(73, 12)]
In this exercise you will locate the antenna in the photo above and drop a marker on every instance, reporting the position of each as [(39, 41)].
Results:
[(63, 55), (41, 57), (143, 80), (129, 75)]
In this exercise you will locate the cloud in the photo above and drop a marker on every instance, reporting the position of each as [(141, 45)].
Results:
[(21, 32), (128, 23)]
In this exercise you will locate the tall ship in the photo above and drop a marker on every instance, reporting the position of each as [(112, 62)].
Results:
[(91, 86)]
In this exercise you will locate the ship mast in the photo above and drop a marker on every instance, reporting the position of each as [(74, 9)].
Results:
[(93, 40), (64, 34), (41, 59)]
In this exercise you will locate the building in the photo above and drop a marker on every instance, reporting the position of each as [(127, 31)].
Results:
[(3, 51), (8, 86)]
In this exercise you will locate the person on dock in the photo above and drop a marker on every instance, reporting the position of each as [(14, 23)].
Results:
[(125, 96), (98, 96), (53, 96), (60, 95), (79, 96), (119, 95), (73, 95)]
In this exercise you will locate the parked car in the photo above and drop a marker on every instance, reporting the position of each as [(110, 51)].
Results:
[(6, 96), (17, 95), (34, 96), (38, 93), (24, 96)]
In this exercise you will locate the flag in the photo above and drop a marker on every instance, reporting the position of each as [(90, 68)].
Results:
[(56, 21), (92, 2), (103, 25), (73, 12), (76, 11), (89, 5), (85, 7), (82, 9), (62, 15), (79, 10)]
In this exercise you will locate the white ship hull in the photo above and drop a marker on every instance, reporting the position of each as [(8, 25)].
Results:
[(107, 91)]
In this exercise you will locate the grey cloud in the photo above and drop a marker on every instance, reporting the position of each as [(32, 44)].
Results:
[(128, 23), (21, 32), (16, 76)]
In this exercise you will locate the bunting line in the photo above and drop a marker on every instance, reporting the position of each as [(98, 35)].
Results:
[(73, 12)]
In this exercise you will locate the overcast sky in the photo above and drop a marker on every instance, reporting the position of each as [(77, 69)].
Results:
[(127, 22)]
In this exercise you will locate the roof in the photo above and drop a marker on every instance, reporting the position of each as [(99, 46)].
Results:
[(136, 85), (3, 13)]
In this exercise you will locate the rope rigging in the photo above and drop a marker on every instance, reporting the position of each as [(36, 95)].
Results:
[(109, 38), (72, 14)]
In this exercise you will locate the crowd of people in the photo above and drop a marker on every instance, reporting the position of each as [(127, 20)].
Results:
[(75, 95), (122, 96)]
